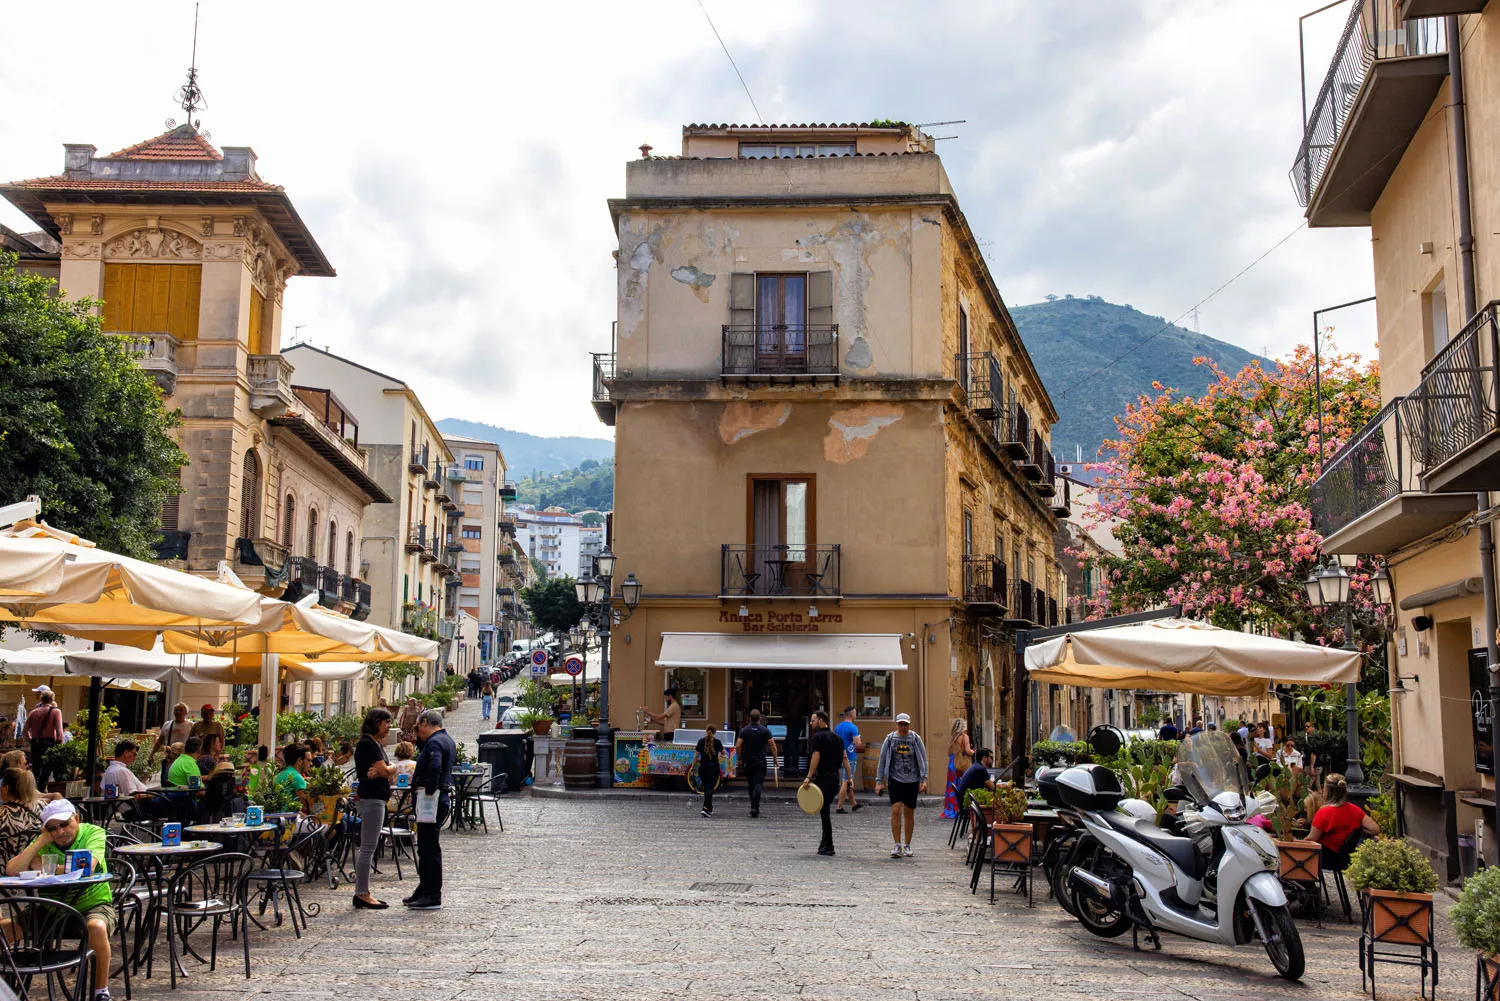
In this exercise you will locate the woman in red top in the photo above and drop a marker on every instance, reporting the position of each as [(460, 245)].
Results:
[(1338, 819)]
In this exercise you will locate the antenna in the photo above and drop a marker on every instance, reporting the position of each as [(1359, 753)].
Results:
[(297, 333), (189, 96), (1195, 321)]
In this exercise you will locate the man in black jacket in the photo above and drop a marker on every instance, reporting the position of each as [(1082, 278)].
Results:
[(434, 775)]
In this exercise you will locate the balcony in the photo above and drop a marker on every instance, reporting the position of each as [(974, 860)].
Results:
[(443, 497), (1014, 431), (779, 572), (1020, 609), (504, 592), (305, 578), (983, 386), (329, 587), (1381, 83), (418, 461), (361, 601), (155, 353), (507, 489), (270, 378), (454, 546), (1062, 498), (1031, 466), (1369, 498), (1047, 485), (416, 540), (1452, 418), (984, 585), (604, 374), (507, 526), (781, 353), (172, 545), (1413, 9), (505, 559)]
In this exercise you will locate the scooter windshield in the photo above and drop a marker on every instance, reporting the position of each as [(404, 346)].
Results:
[(1208, 764)]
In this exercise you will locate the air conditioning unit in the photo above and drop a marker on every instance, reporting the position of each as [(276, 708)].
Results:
[(1066, 469)]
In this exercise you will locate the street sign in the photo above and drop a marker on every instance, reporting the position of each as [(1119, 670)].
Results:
[(539, 663), (573, 665)]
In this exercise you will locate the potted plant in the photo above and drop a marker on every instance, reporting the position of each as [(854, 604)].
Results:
[(326, 786), (985, 800), (1300, 860), (540, 722), (1012, 838), (1476, 916), (1395, 882)]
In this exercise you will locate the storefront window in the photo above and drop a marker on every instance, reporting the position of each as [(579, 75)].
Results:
[(692, 689), (872, 694)]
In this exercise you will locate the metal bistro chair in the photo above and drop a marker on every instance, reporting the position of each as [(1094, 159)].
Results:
[(815, 578), (400, 834), (979, 846), (128, 907), (282, 874), (960, 827), (48, 939), (1336, 863), (487, 792), (214, 888), (747, 577)]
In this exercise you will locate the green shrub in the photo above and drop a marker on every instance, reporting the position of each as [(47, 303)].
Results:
[(1393, 864), (327, 780), (270, 795), (1059, 751), (1010, 804), (982, 798), (1476, 916)]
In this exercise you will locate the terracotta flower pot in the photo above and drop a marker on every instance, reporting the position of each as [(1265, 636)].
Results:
[(1487, 979), (541, 728), (1399, 918), (1012, 842), (1300, 860)]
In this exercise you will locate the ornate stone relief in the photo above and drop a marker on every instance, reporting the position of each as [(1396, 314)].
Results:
[(207, 224), (64, 222), (96, 225), (154, 243), (83, 249)]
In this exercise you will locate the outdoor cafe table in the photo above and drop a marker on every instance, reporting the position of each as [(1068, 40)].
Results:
[(161, 864), (465, 787), (240, 832), (27, 886), (101, 810)]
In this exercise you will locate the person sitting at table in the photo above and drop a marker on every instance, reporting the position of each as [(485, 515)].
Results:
[(61, 833), (185, 766), (1338, 820), (977, 776), (20, 811), (14, 759), (344, 755), (253, 767), (294, 775), (119, 775), (219, 799), (211, 754), (315, 748), (406, 764)]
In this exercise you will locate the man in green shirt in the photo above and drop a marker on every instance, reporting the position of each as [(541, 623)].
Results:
[(186, 764), (294, 776), (62, 833)]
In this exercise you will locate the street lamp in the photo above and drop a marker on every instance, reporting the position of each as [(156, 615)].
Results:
[(602, 609), (1328, 587)]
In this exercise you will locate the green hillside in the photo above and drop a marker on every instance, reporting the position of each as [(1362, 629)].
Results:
[(589, 487), (529, 454), (1071, 338)]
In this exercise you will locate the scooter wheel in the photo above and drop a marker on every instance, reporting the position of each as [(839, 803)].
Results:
[(1284, 947), (1098, 918), (1061, 892)]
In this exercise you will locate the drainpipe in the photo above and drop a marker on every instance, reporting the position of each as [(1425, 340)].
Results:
[(1471, 307)]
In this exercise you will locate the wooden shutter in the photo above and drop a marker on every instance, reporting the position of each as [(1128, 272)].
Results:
[(184, 295), (119, 296), (257, 318), (742, 299), (820, 299)]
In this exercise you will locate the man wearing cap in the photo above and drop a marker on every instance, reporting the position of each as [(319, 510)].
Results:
[(902, 770), (62, 833), (44, 728), (207, 726)]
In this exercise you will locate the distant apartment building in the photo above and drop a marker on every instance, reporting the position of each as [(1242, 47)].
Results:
[(590, 542), (1403, 137), (486, 575), (551, 537)]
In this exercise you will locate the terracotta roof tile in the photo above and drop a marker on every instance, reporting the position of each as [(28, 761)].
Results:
[(809, 125), (63, 183), (181, 143)]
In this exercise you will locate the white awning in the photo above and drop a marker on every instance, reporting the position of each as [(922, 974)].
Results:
[(783, 652)]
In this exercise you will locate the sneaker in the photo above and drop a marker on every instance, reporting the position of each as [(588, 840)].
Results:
[(755, 813), (856, 808), (841, 810), (102, 994), (906, 850), (705, 813), (426, 904), (825, 851), (896, 852)]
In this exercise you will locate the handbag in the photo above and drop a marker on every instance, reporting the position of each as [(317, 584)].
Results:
[(427, 807)]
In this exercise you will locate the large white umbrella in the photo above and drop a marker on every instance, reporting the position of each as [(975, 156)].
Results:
[(1180, 655)]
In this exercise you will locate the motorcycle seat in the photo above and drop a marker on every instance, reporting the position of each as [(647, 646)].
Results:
[(1182, 851)]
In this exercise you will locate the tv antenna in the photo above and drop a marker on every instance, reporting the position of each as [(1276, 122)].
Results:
[(189, 95)]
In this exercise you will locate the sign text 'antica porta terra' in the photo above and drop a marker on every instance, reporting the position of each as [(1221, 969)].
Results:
[(780, 622)]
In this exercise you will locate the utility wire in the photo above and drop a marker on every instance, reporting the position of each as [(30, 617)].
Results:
[(759, 119)]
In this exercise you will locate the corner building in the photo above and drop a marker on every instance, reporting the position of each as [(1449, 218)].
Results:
[(831, 448)]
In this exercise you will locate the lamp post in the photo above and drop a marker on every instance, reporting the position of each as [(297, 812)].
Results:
[(602, 608), (1328, 587)]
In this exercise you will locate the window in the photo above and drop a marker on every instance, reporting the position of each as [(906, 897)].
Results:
[(256, 332), (692, 691), (968, 533), (333, 543), (764, 151), (472, 532), (289, 523), (153, 298), (312, 533), (963, 348), (781, 318), (473, 462), (1437, 317), (473, 495), (349, 555), (250, 496), (872, 694)]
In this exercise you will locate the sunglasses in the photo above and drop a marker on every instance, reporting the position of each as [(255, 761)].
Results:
[(54, 828)]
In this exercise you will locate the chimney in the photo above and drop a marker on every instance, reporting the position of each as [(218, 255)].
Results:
[(239, 163), (645, 151), (76, 159)]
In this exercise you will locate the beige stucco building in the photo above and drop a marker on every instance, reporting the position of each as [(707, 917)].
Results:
[(1400, 155), (190, 252), (831, 448), (489, 573)]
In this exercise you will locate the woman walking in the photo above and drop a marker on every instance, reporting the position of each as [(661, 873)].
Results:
[(960, 757), (374, 773), (706, 763), (486, 699)]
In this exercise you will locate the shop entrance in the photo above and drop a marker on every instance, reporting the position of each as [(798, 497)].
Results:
[(785, 699)]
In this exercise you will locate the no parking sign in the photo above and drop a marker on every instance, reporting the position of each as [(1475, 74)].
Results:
[(539, 663), (573, 665)]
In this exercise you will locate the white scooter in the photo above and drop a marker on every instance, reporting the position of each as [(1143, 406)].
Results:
[(1219, 883)]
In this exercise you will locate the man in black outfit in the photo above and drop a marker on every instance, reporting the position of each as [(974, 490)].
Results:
[(750, 750), (434, 775), (827, 752)]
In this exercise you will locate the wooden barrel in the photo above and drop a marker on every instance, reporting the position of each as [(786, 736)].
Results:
[(579, 764)]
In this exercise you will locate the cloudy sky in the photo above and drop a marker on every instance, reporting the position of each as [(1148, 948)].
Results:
[(454, 159)]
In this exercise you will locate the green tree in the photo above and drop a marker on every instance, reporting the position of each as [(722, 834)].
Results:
[(553, 604), (81, 424)]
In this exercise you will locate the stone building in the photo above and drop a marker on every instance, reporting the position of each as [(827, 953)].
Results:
[(813, 362), (190, 252), (1403, 137), (488, 569)]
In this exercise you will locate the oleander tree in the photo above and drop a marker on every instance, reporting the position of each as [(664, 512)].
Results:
[(1208, 497)]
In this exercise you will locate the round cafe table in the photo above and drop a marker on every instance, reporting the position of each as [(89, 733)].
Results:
[(242, 833), (156, 864), (26, 886)]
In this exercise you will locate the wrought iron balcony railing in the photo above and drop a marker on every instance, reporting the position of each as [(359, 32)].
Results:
[(418, 461), (1456, 404), (985, 583), (781, 350), (1374, 466), (1021, 607), (780, 571)]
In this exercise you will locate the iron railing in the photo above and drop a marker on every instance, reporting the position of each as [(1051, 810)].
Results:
[(604, 373), (1455, 404), (361, 601), (1369, 470), (1373, 31), (328, 587), (1013, 428), (983, 384), (984, 581), (781, 349), (418, 461), (416, 541), (773, 571), (1022, 604)]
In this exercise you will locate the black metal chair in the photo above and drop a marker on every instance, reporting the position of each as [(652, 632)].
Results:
[(747, 577), (48, 939), (281, 875), (485, 794), (1336, 862), (815, 578), (400, 833), (213, 889), (959, 829), (128, 908)]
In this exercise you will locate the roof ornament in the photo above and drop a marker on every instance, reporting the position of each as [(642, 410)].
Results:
[(189, 96)]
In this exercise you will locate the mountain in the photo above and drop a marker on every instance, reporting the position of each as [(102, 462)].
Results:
[(1072, 339), (590, 487), (528, 454)]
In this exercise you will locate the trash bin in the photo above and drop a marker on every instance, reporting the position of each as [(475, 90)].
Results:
[(508, 753), (1466, 855)]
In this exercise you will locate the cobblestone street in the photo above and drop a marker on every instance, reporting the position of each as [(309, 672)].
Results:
[(616, 897)]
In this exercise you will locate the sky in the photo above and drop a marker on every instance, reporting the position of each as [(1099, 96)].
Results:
[(453, 160)]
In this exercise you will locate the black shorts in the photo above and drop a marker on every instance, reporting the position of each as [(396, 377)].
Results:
[(904, 793)]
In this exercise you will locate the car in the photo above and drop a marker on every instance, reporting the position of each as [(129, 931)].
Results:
[(510, 719)]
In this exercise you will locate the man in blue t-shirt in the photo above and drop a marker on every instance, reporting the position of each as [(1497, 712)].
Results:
[(853, 744), (977, 776)]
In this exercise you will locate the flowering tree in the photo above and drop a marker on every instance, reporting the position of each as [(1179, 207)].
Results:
[(1208, 496)]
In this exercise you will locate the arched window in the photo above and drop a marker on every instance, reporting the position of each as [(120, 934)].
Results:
[(289, 523), (349, 555), (250, 496), (312, 534), (333, 543)]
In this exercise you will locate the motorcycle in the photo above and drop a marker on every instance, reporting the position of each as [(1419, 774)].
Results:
[(1216, 880)]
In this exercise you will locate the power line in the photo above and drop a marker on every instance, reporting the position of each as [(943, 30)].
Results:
[(1191, 309), (759, 119)]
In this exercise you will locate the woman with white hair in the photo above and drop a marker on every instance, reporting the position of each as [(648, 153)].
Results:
[(960, 757), (176, 732)]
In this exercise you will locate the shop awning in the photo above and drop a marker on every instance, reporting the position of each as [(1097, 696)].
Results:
[(783, 652)]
